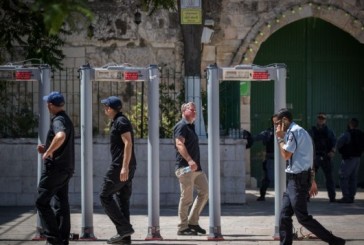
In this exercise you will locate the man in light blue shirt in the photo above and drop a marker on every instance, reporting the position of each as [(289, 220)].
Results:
[(295, 146), (298, 138)]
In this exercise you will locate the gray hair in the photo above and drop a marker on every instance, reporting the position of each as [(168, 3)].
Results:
[(187, 105)]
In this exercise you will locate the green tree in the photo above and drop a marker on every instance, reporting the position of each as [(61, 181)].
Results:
[(34, 31)]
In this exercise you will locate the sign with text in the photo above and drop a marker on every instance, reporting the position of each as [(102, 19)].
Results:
[(23, 75), (6, 75), (245, 75), (191, 12), (131, 75), (120, 75), (108, 75), (261, 76)]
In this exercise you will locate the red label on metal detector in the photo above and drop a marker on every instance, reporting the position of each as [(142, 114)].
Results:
[(261, 75), (131, 75), (23, 75)]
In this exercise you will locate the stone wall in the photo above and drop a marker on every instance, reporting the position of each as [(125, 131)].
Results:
[(18, 178), (113, 37)]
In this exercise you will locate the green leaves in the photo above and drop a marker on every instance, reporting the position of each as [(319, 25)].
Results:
[(58, 13)]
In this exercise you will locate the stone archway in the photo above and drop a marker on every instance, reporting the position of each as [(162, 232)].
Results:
[(345, 18)]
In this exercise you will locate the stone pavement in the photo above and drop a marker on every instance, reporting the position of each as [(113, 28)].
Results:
[(250, 223)]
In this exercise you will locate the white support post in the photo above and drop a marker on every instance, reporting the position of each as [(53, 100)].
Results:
[(279, 163), (214, 153), (153, 155), (87, 230), (193, 93)]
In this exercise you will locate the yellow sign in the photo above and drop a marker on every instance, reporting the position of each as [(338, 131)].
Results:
[(191, 16)]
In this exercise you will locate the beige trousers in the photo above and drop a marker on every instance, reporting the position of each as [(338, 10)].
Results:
[(187, 183)]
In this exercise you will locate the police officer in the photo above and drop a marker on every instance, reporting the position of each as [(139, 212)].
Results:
[(295, 146), (267, 138), (350, 145), (324, 140)]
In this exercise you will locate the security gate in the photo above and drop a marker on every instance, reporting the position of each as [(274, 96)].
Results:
[(276, 72), (42, 75), (120, 73)]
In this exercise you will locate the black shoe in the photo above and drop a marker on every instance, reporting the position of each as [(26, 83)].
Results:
[(332, 200), (126, 240), (261, 198), (187, 232), (197, 228), (54, 242), (119, 237), (345, 200), (338, 241)]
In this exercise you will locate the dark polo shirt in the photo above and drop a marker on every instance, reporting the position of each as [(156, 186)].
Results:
[(119, 126), (64, 156), (187, 131)]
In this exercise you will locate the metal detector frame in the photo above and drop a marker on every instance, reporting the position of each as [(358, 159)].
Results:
[(276, 72), (42, 75), (120, 73)]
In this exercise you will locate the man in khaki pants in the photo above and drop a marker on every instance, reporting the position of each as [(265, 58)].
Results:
[(189, 172)]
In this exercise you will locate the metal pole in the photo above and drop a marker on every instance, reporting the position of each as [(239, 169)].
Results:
[(214, 153), (193, 93), (87, 230), (43, 126), (279, 163), (153, 155)]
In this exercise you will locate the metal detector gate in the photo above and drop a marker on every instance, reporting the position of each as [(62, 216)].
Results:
[(120, 74), (42, 75), (276, 72)]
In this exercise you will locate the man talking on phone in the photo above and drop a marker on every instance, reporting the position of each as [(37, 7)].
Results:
[(295, 146)]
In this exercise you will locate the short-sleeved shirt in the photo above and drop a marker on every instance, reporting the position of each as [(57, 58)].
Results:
[(187, 131), (299, 143), (64, 156), (120, 125)]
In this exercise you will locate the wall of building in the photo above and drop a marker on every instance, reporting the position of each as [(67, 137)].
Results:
[(113, 37), (18, 176)]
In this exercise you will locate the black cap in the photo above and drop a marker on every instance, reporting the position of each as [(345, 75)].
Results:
[(113, 102)]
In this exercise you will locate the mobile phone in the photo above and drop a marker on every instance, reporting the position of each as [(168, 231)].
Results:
[(283, 124)]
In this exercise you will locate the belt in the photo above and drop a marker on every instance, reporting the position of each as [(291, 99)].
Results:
[(298, 176)]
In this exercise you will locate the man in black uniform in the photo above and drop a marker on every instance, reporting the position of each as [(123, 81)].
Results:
[(324, 140), (59, 160), (267, 137), (351, 146), (118, 179)]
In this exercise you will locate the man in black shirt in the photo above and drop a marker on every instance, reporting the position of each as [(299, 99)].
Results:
[(267, 137), (118, 179), (59, 160), (189, 173), (351, 146), (324, 141)]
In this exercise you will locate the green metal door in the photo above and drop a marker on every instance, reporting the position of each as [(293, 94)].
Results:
[(323, 74), (229, 106)]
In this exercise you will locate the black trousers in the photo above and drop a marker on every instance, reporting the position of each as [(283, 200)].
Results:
[(295, 202), (115, 197), (325, 163), (55, 220)]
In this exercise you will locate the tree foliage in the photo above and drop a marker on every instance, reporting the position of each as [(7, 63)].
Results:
[(152, 5), (34, 31)]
